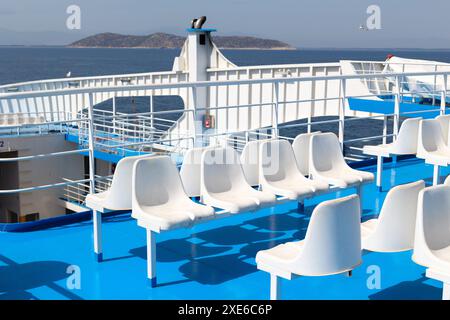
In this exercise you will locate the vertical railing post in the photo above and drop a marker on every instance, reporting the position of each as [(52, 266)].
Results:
[(197, 121), (151, 116), (385, 127), (96, 216), (444, 95), (342, 93), (276, 89), (114, 114), (434, 84), (396, 108)]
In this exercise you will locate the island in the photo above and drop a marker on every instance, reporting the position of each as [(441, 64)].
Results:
[(165, 40)]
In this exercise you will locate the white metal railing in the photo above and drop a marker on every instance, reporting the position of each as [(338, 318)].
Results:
[(76, 192), (119, 132)]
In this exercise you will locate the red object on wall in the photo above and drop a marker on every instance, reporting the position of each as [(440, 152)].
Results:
[(208, 121)]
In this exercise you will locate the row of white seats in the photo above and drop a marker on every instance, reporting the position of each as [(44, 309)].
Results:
[(427, 139), (412, 217), (159, 196), (18, 119), (219, 179), (316, 155)]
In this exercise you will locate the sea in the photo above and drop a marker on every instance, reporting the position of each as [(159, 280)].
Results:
[(19, 64)]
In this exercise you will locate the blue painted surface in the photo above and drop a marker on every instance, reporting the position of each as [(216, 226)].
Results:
[(214, 260), (201, 30), (387, 107)]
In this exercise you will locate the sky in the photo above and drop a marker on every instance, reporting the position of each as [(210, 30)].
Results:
[(301, 23)]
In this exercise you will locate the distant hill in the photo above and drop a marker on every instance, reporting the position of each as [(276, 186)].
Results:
[(165, 40)]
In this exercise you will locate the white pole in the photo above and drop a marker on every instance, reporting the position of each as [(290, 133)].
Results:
[(379, 172), (151, 116), (114, 114), (96, 216), (385, 123), (275, 287), (444, 95), (198, 125), (446, 291), (359, 192), (151, 258), (275, 107), (342, 115), (396, 107), (435, 175)]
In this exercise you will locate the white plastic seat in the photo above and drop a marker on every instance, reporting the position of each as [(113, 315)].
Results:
[(190, 171), (250, 161), (394, 229), (432, 237), (223, 183), (444, 122), (159, 200), (328, 164), (280, 175), (431, 146), (332, 245), (160, 203), (118, 196), (447, 181), (406, 143), (301, 151)]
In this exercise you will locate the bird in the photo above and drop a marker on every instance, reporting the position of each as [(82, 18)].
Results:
[(68, 74), (361, 27)]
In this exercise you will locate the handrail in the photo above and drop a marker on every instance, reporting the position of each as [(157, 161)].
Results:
[(197, 84), (47, 186), (45, 155)]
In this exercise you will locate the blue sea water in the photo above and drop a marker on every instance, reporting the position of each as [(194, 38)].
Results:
[(19, 64)]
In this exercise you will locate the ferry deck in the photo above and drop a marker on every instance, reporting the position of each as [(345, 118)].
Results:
[(59, 149), (215, 260)]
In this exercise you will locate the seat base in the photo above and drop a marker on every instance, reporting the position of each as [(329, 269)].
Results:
[(442, 276)]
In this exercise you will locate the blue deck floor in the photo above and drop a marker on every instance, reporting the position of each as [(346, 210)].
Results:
[(211, 261)]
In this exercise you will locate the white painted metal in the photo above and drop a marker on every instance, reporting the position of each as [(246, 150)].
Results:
[(275, 287), (151, 257)]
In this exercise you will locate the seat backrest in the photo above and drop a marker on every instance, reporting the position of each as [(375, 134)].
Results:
[(432, 225), (190, 171), (325, 153), (301, 151), (156, 181), (430, 136), (120, 191), (221, 171), (333, 240), (277, 161), (444, 122), (447, 181), (406, 142), (250, 161), (434, 217), (397, 219)]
